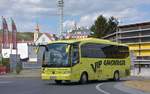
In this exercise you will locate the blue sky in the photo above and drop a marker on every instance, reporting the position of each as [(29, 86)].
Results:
[(27, 13)]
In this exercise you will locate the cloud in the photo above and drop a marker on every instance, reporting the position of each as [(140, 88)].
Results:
[(126, 11), (26, 12), (129, 14), (88, 20), (69, 24), (29, 1)]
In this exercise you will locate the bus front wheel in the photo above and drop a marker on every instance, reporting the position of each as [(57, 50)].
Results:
[(58, 81), (83, 78), (116, 76)]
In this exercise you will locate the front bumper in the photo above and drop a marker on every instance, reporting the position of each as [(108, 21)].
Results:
[(56, 77)]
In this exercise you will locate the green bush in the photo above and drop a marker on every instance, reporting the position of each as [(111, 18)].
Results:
[(5, 62), (0, 59), (1, 63)]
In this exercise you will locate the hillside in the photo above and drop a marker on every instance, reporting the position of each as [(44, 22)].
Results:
[(22, 36)]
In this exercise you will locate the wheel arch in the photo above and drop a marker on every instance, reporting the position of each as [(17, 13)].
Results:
[(85, 72)]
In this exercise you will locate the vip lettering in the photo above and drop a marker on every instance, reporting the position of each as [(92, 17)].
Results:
[(96, 65)]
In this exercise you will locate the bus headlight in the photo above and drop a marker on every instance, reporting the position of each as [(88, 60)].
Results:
[(43, 69)]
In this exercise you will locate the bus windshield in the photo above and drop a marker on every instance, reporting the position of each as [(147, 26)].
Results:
[(57, 55)]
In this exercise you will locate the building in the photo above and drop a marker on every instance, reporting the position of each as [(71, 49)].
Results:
[(39, 39), (137, 36), (45, 38), (36, 33), (78, 33), (27, 45)]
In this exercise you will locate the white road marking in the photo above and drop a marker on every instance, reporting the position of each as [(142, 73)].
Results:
[(101, 90)]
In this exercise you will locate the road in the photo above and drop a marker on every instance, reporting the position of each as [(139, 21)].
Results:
[(36, 86)]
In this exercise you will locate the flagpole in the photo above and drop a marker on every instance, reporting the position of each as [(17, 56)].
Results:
[(11, 39), (11, 43), (14, 40)]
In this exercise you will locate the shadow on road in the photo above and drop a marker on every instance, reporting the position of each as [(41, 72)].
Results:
[(89, 83)]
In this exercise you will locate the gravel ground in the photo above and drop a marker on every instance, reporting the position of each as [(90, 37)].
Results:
[(143, 85)]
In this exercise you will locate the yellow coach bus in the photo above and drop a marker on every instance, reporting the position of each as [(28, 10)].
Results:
[(85, 59)]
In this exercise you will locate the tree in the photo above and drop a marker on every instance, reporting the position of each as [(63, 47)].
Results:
[(112, 25), (103, 26)]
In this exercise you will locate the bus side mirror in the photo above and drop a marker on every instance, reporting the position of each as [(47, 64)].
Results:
[(46, 48)]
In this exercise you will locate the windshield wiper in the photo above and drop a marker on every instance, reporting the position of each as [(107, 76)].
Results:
[(45, 65)]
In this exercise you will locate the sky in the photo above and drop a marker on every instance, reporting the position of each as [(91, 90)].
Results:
[(27, 13)]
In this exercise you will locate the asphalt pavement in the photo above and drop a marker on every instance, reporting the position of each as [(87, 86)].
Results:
[(32, 85)]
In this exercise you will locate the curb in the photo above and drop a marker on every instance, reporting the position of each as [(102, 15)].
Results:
[(19, 76), (14, 75), (24, 73)]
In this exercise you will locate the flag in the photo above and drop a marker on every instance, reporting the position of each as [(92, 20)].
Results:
[(14, 35), (5, 34)]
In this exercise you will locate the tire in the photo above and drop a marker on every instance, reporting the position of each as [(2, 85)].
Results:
[(58, 81), (83, 78), (116, 76)]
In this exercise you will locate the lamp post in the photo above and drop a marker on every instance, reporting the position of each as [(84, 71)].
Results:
[(61, 6), (139, 52), (139, 59)]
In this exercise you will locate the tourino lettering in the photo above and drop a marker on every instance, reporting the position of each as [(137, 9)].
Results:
[(107, 62)]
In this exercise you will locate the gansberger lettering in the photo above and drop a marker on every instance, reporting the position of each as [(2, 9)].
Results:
[(107, 62), (96, 65), (114, 62)]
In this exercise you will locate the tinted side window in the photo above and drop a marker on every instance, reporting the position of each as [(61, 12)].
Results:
[(123, 51), (104, 51), (114, 51), (92, 51)]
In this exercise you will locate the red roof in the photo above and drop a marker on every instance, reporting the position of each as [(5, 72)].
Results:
[(49, 35)]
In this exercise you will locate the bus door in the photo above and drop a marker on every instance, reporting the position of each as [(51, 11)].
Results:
[(75, 61)]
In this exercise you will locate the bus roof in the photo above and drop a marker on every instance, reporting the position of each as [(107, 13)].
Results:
[(93, 40)]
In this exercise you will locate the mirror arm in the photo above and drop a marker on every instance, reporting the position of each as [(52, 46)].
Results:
[(44, 46)]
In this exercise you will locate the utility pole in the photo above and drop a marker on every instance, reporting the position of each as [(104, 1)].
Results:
[(140, 58), (61, 6)]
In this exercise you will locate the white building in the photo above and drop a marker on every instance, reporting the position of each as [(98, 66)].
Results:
[(45, 38), (39, 39), (78, 33)]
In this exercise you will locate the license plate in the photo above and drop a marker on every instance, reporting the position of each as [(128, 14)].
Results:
[(53, 77)]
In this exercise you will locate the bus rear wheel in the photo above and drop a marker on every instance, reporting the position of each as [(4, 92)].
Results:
[(83, 79), (116, 76), (58, 81)]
